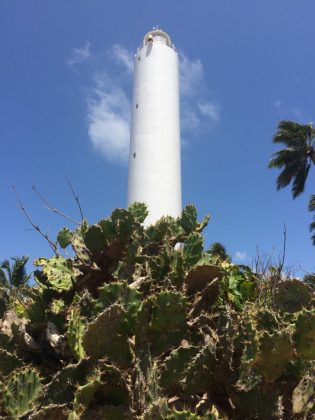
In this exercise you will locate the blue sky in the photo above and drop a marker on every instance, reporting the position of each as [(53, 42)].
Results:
[(66, 84)]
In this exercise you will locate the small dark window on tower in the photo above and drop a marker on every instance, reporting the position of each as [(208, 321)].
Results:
[(137, 106), (139, 58), (134, 155)]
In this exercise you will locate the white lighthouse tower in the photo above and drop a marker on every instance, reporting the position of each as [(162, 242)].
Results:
[(154, 162)]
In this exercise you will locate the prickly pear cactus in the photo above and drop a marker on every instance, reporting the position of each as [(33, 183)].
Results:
[(274, 353), (162, 319), (8, 362), (52, 411), (20, 392), (200, 276), (292, 296), (64, 237), (143, 323), (106, 337), (58, 272), (304, 336), (303, 398), (174, 367), (75, 334), (200, 372)]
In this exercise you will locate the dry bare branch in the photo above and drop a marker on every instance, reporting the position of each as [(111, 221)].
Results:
[(76, 197), (52, 244), (53, 209)]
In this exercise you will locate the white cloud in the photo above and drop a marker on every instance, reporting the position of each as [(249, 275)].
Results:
[(240, 256), (79, 55), (211, 110), (278, 104), (123, 56), (197, 110), (109, 119), (190, 75), (189, 118)]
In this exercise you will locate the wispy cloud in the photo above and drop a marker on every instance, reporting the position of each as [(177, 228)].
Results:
[(109, 119), (240, 256), (108, 105), (79, 55), (197, 109), (123, 56), (190, 75), (211, 110), (278, 103)]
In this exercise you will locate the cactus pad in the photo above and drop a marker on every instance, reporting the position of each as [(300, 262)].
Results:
[(75, 334), (64, 237), (61, 388), (200, 371), (199, 277), (165, 322), (106, 337), (292, 296), (304, 337), (22, 389), (95, 239), (188, 219), (80, 248), (274, 353), (52, 411), (8, 362), (58, 272), (266, 320), (303, 398), (139, 212), (193, 249), (172, 371)]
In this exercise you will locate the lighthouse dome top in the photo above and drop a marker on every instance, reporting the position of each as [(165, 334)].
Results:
[(157, 35)]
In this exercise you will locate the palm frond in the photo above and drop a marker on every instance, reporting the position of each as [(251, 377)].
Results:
[(287, 175), (283, 157), (311, 203), (300, 179), (219, 250), (312, 225), (3, 279), (5, 265), (293, 134), (309, 279), (19, 276)]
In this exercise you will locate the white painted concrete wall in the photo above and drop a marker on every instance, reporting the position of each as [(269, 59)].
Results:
[(154, 163)]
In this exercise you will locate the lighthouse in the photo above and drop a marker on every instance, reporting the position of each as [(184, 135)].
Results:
[(154, 161)]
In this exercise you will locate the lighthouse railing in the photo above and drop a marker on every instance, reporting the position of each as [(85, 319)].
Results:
[(160, 40)]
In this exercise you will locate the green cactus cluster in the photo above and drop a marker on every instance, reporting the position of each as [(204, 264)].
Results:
[(145, 323), (20, 391)]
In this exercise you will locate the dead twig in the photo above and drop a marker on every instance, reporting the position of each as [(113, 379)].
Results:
[(76, 197), (52, 244), (53, 209), (281, 263)]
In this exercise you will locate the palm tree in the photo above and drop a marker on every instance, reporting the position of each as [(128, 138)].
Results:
[(13, 275), (218, 251), (298, 156)]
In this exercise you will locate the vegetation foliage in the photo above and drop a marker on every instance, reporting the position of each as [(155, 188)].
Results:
[(144, 323), (296, 160)]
